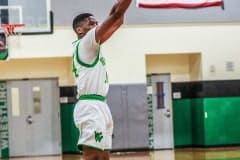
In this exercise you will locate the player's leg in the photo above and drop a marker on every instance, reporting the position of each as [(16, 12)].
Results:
[(89, 119), (108, 121), (85, 119), (94, 154), (104, 155), (90, 153)]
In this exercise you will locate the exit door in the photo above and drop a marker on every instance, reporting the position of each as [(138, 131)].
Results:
[(162, 111), (34, 122)]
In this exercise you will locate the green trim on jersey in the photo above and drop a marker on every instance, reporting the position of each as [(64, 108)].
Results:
[(92, 97), (75, 41), (83, 63), (75, 55), (74, 69)]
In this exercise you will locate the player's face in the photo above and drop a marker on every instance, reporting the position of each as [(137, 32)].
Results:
[(91, 22), (88, 24)]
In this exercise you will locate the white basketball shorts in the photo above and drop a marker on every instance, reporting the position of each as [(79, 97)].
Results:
[(94, 121)]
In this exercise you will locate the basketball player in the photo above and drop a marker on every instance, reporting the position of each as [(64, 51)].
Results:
[(91, 113)]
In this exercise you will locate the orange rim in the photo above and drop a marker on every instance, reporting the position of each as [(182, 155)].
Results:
[(10, 27)]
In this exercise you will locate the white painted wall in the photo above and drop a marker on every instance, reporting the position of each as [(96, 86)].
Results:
[(58, 44), (182, 67), (125, 51)]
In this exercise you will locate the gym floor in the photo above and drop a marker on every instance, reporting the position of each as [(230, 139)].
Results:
[(228, 153)]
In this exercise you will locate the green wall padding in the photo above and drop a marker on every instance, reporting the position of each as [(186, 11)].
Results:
[(182, 122), (207, 121), (69, 131), (222, 124), (198, 122)]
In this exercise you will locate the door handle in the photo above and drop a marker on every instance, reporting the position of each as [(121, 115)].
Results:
[(168, 113), (29, 119)]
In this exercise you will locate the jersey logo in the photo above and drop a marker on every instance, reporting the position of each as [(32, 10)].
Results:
[(98, 136)]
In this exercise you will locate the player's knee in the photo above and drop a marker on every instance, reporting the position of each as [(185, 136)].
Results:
[(89, 156), (105, 155), (90, 153)]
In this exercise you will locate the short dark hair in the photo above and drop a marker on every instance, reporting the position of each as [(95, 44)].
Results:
[(79, 18)]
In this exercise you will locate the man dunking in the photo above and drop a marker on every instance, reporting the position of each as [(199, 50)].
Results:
[(91, 113)]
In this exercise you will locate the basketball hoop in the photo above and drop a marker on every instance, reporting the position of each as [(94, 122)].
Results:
[(13, 36), (9, 28)]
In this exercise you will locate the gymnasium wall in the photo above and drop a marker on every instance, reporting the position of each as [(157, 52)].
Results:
[(38, 68), (126, 51), (182, 67), (230, 13), (216, 44), (211, 32)]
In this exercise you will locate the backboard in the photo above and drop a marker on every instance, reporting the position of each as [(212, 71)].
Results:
[(35, 15)]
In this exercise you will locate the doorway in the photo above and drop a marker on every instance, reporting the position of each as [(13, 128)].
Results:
[(34, 119), (162, 70), (162, 111)]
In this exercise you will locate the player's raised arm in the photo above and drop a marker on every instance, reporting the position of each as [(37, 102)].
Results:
[(113, 21)]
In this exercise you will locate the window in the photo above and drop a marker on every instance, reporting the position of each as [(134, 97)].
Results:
[(36, 99)]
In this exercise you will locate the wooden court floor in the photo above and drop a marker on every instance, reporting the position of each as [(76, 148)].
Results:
[(177, 154)]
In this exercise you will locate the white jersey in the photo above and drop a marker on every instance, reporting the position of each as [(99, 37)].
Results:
[(89, 66)]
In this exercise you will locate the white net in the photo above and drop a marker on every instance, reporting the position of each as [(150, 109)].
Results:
[(13, 38)]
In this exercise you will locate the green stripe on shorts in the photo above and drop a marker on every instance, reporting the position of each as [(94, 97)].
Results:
[(92, 97)]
